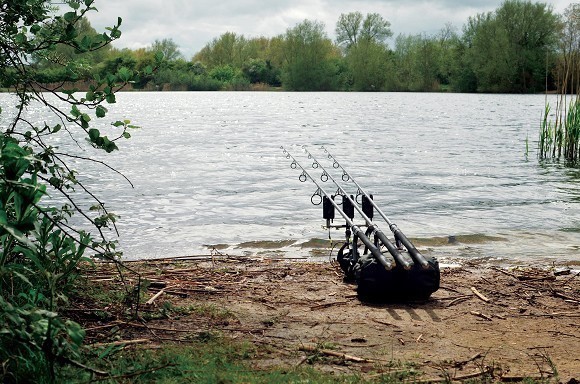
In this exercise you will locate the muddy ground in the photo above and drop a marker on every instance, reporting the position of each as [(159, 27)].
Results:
[(508, 323)]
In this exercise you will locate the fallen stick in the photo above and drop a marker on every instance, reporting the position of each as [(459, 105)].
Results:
[(155, 296), (567, 298), (459, 364), (386, 323), (472, 375), (344, 356), (522, 378), (326, 305), (478, 294), (506, 272), (121, 343), (111, 325), (482, 315), (458, 300)]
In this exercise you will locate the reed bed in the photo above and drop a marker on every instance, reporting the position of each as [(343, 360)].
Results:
[(560, 132)]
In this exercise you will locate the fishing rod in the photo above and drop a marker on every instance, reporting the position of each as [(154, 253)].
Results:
[(357, 232), (399, 236), (399, 258)]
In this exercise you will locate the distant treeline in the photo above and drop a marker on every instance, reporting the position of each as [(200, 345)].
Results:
[(515, 49)]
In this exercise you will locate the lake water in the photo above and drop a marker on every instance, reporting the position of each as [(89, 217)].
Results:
[(450, 169)]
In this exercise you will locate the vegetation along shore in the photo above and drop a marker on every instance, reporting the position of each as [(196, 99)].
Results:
[(489, 53)]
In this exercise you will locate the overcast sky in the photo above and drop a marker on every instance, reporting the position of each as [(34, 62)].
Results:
[(193, 24)]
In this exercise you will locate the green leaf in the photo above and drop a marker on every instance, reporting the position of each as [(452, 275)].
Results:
[(125, 74), (70, 17), (126, 135), (158, 55), (74, 5), (111, 99), (56, 128), (94, 134), (75, 111), (101, 111), (20, 38)]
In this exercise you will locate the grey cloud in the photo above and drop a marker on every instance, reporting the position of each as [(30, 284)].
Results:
[(194, 24)]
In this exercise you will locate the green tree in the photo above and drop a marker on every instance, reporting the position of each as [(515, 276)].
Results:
[(40, 249), (168, 48), (308, 58), (229, 49), (351, 28), (262, 71), (367, 55), (507, 49), (370, 66)]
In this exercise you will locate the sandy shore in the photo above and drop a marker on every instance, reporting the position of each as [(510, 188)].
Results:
[(502, 322)]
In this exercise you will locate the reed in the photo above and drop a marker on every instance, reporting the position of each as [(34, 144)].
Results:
[(560, 132)]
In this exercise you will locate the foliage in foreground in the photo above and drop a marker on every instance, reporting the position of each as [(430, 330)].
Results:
[(41, 243)]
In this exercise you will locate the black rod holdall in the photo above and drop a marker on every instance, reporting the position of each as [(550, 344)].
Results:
[(384, 270)]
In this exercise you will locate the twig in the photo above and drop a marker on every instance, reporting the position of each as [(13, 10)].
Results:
[(326, 305), (448, 289), (479, 314), (151, 300), (478, 294), (386, 323), (121, 342), (458, 300), (473, 375), (87, 368), (506, 272), (517, 379), (328, 352), (567, 298), (138, 373), (111, 325), (570, 279), (459, 364)]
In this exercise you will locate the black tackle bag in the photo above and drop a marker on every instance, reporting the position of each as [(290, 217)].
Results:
[(375, 283)]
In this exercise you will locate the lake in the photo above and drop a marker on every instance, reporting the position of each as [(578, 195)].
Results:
[(450, 169)]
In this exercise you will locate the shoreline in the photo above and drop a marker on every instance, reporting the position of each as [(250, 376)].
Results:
[(525, 327)]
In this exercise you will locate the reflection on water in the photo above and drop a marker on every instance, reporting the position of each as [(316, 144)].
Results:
[(449, 169)]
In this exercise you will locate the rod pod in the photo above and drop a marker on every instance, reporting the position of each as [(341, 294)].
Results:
[(399, 235), (356, 231), (399, 258)]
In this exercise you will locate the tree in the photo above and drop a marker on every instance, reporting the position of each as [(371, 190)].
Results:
[(308, 54), (369, 64), (168, 48), (348, 28), (229, 49), (508, 48), (364, 41), (40, 249), (351, 28)]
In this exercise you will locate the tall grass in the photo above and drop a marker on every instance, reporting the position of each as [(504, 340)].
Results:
[(560, 133)]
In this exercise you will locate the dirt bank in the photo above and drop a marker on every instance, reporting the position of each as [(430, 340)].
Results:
[(508, 323)]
